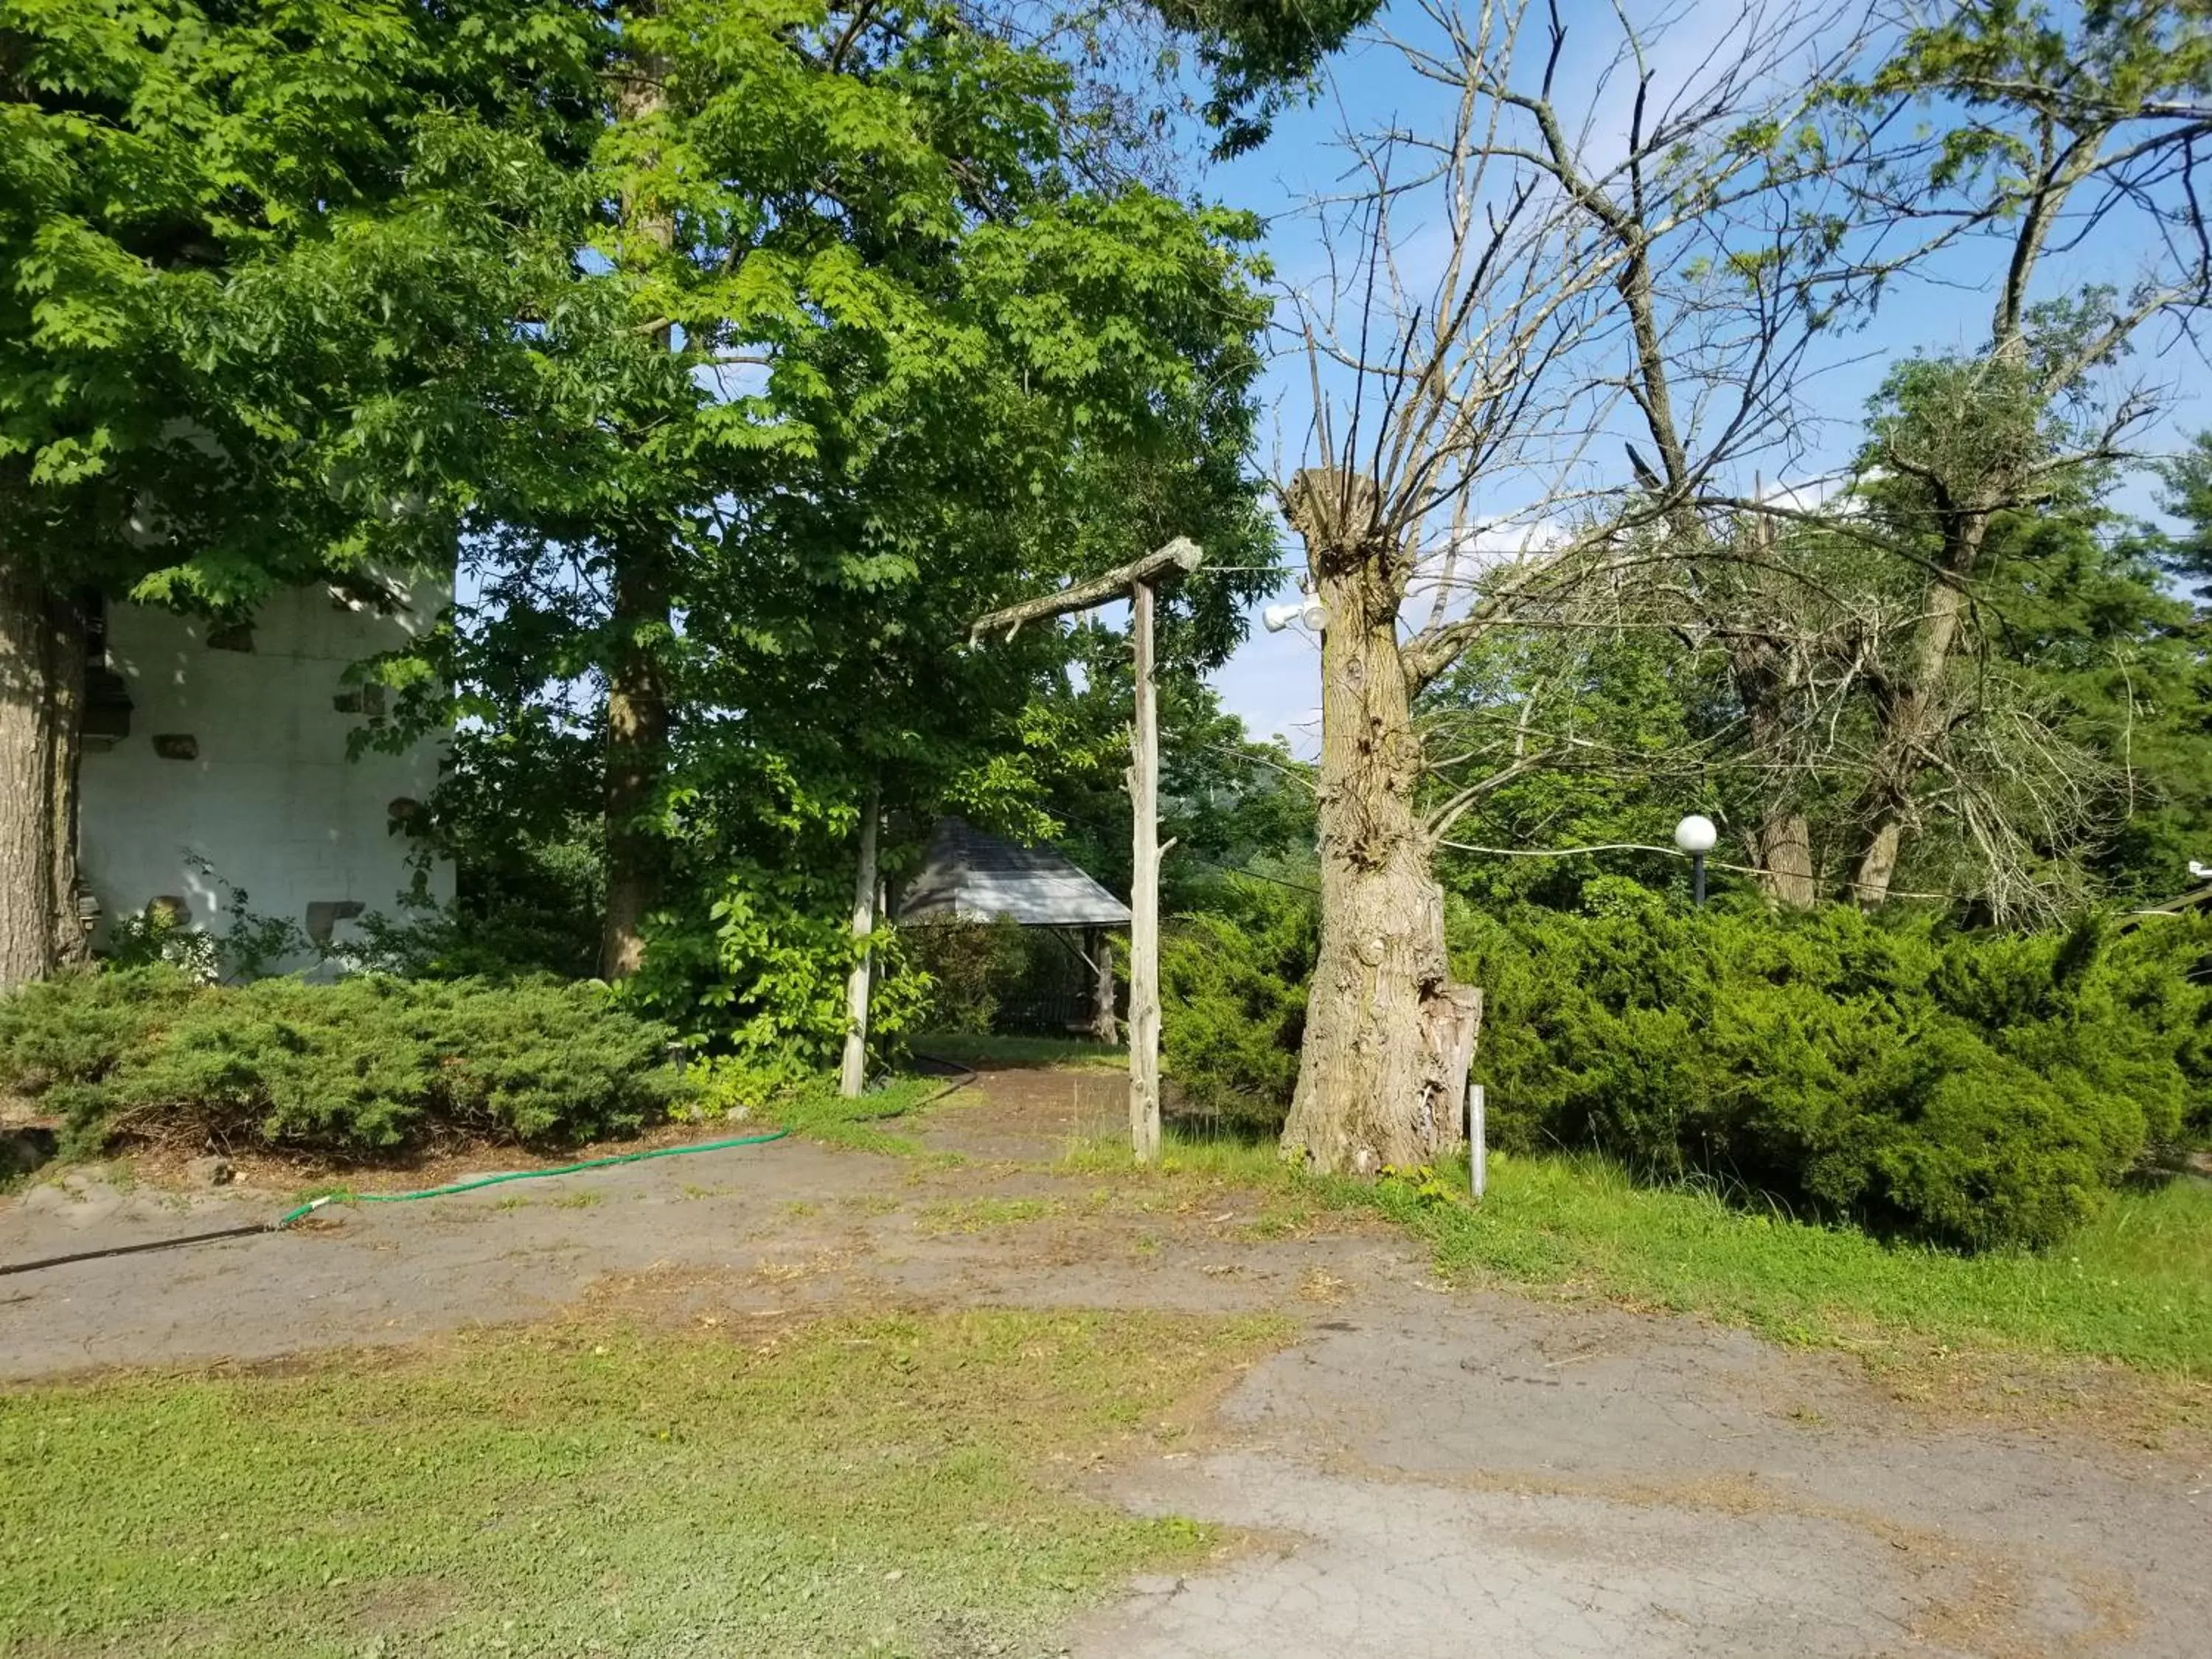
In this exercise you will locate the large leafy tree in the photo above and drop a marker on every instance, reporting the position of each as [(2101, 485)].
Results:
[(2114, 662), (288, 282), (871, 337), (260, 260)]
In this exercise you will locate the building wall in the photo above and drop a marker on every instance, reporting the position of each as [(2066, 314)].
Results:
[(267, 801)]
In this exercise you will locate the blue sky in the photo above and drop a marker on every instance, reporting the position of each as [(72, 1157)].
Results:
[(1273, 681)]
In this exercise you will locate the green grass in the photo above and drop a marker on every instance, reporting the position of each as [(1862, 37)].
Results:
[(968, 1048), (2131, 1287), (821, 1114), (977, 1215), (861, 1486), (2134, 1286)]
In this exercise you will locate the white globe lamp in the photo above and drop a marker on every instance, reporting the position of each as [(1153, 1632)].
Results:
[(1697, 835)]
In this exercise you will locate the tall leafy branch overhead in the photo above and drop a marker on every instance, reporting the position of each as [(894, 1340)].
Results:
[(259, 262), (686, 295), (858, 351)]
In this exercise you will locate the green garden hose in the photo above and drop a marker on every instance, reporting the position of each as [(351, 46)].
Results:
[(966, 1075), (470, 1186)]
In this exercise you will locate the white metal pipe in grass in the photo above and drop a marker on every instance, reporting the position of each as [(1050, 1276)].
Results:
[(1478, 1158)]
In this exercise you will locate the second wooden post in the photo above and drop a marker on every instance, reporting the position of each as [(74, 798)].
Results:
[(1144, 891)]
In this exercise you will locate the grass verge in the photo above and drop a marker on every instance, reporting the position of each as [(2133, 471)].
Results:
[(821, 1114), (969, 1048), (2134, 1287), (859, 1487)]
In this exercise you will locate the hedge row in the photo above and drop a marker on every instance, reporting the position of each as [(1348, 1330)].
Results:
[(366, 1063), (1977, 1089)]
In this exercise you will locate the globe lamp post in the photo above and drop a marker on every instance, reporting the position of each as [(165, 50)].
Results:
[(1695, 835)]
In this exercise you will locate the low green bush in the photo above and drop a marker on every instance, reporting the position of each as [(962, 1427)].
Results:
[(1977, 1089), (364, 1065), (1233, 992)]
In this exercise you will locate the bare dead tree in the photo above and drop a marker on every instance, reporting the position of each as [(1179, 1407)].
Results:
[(2078, 134), (1857, 644), (1575, 252)]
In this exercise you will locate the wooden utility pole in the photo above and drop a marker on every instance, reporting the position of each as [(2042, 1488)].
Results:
[(1144, 891), (854, 1077), (1138, 581)]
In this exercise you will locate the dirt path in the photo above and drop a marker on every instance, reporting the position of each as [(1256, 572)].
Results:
[(1426, 1472)]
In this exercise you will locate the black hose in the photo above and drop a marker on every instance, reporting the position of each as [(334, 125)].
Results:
[(135, 1249), (967, 1075)]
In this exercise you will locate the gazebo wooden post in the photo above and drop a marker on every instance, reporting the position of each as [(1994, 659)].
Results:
[(1138, 581), (1099, 954), (853, 1074)]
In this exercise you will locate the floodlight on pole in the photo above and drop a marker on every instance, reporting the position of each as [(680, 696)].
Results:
[(1312, 612), (1697, 835)]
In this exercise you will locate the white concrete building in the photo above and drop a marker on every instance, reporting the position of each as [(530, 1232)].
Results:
[(217, 759)]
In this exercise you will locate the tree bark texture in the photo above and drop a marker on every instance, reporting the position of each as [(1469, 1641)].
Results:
[(1098, 953), (41, 695), (1785, 859), (1388, 1036), (637, 694), (1909, 715), (637, 747)]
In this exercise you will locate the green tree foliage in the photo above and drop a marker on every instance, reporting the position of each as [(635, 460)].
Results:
[(1572, 738), (1233, 985), (261, 263), (254, 251), (861, 350), (1226, 801), (2188, 480), (2116, 664), (1258, 52), (2072, 766)]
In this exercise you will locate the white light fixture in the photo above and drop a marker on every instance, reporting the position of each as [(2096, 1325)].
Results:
[(1312, 612), (1696, 834)]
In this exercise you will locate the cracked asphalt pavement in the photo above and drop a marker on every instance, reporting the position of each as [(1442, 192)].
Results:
[(1425, 1472)]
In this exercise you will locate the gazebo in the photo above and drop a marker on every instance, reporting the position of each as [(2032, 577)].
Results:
[(967, 876)]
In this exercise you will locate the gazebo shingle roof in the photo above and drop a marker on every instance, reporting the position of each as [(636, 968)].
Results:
[(968, 876)]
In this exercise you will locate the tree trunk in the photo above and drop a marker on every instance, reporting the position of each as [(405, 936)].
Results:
[(1909, 717), (41, 674), (637, 746), (1785, 859), (1782, 843), (1098, 953), (637, 697), (1384, 1070), (65, 666)]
